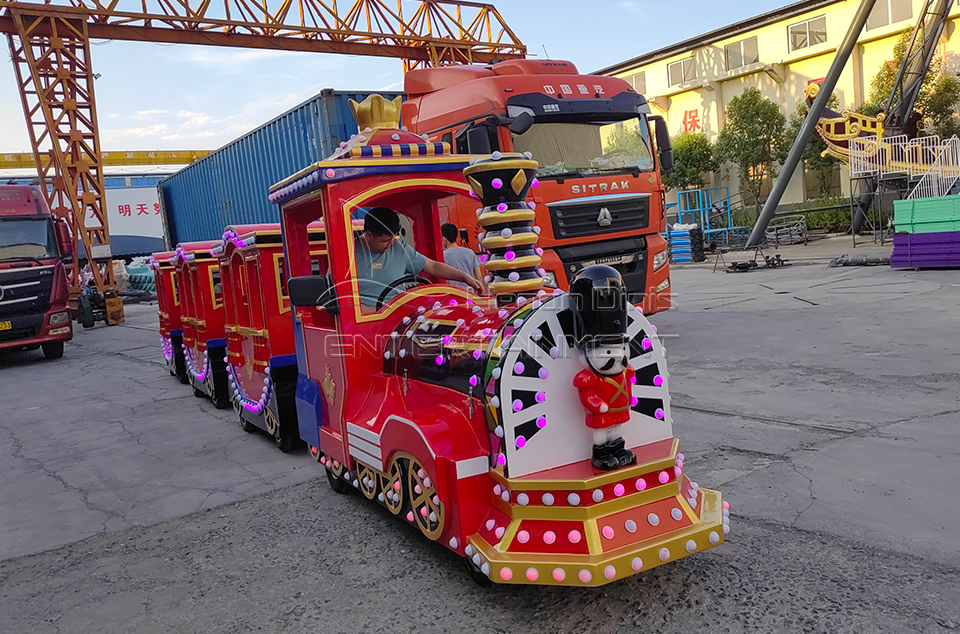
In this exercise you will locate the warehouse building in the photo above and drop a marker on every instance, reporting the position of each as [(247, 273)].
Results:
[(780, 53)]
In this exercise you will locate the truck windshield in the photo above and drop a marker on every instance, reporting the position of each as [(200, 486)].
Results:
[(589, 148), (27, 238)]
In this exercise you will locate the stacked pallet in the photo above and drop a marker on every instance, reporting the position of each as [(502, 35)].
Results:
[(927, 233), (686, 244)]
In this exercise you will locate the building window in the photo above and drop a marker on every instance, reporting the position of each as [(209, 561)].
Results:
[(682, 71), (639, 82), (888, 12), (809, 33), (741, 53)]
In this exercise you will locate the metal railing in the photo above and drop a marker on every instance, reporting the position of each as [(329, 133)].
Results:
[(864, 156), (942, 175), (893, 156)]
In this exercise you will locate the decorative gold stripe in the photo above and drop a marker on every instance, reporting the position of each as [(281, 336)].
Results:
[(516, 263), (516, 287), (497, 242), (510, 215)]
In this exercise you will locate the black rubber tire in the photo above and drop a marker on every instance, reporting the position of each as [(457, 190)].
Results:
[(339, 485), (52, 349), (285, 443), (247, 426), (183, 378), (198, 392), (220, 402), (475, 573)]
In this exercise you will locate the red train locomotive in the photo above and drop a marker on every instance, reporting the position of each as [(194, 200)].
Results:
[(197, 278), (168, 308), (529, 432)]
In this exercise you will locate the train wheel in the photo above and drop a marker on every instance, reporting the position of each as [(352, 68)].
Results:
[(369, 481), (391, 484), (424, 500)]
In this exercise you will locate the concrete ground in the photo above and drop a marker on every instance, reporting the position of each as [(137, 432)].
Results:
[(824, 403)]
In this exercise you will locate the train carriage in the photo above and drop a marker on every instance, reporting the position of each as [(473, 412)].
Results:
[(168, 308), (197, 277), (457, 412)]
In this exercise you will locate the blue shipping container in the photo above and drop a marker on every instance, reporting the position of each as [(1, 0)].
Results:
[(230, 186)]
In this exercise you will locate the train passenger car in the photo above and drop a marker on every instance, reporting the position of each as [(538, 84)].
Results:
[(491, 424), (168, 308), (197, 277)]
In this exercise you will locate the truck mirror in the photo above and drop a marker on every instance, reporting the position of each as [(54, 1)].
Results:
[(664, 148), (313, 291), (521, 123), (64, 239), (478, 139)]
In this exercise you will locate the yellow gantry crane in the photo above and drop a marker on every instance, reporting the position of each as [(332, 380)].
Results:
[(20, 160), (50, 47)]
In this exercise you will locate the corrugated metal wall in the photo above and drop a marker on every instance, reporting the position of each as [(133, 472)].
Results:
[(230, 186)]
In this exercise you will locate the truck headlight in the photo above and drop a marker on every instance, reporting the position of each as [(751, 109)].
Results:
[(59, 318), (550, 279), (659, 259), (662, 286)]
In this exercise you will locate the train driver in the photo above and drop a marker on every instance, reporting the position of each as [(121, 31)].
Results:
[(382, 259)]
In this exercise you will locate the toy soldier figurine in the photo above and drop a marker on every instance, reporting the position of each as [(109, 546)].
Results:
[(605, 385)]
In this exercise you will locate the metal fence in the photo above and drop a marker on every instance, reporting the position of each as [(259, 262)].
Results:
[(942, 175)]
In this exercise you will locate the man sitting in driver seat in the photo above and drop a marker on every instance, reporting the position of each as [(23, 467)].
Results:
[(382, 259)]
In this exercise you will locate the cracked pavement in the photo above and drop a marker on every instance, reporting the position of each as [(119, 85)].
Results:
[(830, 424)]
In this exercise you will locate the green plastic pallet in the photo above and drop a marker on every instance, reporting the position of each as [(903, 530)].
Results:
[(927, 215)]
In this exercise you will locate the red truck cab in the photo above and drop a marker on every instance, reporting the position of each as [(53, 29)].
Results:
[(600, 199), (33, 281)]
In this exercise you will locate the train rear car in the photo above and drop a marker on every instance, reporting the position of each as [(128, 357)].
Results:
[(168, 309)]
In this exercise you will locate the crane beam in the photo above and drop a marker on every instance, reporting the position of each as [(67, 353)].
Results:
[(17, 160)]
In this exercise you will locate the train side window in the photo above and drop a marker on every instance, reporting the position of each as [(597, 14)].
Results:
[(217, 286), (448, 139)]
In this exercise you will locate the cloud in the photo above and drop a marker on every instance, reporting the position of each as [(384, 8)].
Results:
[(181, 136), (120, 138), (194, 120), (633, 8), (146, 114)]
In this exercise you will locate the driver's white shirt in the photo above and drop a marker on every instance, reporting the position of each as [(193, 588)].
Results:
[(376, 271)]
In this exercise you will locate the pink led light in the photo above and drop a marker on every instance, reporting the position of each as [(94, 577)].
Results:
[(535, 183), (585, 576), (439, 359), (559, 574), (574, 536), (496, 183), (532, 574), (409, 516), (726, 505), (330, 173), (506, 574), (549, 537), (641, 484), (501, 460), (658, 380), (509, 255), (646, 343), (447, 339), (677, 471), (477, 354), (633, 401), (523, 537), (619, 490), (659, 413), (541, 422), (532, 205), (543, 373), (541, 397), (473, 194), (664, 477), (518, 367), (521, 441), (608, 532), (502, 207), (517, 405), (633, 380), (423, 511), (474, 379)]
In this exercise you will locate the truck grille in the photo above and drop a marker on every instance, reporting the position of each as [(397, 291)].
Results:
[(18, 334), (599, 215), (25, 290)]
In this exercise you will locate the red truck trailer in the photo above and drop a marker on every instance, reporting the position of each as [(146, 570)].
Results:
[(33, 280)]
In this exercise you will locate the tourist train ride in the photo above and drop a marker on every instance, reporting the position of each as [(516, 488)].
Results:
[(530, 432), (197, 278), (168, 309)]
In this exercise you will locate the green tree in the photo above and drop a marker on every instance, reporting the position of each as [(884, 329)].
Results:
[(822, 166), (692, 155), (937, 101), (753, 140)]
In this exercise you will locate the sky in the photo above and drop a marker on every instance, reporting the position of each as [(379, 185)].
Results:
[(172, 96)]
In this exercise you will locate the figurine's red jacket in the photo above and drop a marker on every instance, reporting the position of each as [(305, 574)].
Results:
[(597, 389)]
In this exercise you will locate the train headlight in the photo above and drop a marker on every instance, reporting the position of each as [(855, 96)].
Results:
[(550, 279), (659, 259)]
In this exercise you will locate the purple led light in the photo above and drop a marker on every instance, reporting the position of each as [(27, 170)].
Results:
[(634, 401), (535, 183), (518, 368), (542, 422), (473, 194), (658, 380), (439, 359), (497, 183), (541, 397), (517, 405), (477, 354), (514, 277), (521, 441), (646, 343), (474, 380), (543, 373), (446, 339), (502, 207), (659, 413), (532, 205), (501, 460), (509, 255)]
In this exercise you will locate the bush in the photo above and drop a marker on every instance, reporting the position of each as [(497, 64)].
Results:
[(830, 220)]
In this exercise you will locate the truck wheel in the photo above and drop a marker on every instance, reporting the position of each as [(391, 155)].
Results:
[(53, 349)]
